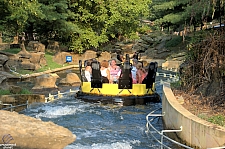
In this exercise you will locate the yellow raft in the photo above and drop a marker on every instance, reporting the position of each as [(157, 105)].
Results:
[(113, 90), (124, 91)]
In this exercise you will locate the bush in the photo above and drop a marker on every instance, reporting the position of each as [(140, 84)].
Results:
[(218, 119), (174, 41)]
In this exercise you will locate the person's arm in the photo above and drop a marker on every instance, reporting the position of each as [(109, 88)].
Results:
[(119, 72), (108, 74), (138, 75)]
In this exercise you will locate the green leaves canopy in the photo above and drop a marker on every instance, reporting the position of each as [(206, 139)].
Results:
[(79, 23), (177, 12)]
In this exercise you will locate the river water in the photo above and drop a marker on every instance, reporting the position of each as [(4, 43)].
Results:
[(100, 126)]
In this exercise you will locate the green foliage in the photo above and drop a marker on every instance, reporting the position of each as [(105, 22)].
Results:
[(13, 50), (176, 84), (196, 38), (4, 92), (216, 119), (50, 63), (7, 92), (25, 91), (80, 25), (144, 29), (174, 41), (177, 13)]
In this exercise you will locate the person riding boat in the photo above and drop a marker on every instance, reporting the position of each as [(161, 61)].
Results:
[(114, 71), (141, 73), (88, 71), (105, 71), (134, 71)]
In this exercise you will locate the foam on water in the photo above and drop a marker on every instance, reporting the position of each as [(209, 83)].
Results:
[(56, 110), (116, 145)]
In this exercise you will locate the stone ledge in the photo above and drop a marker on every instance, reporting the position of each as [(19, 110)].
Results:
[(196, 132)]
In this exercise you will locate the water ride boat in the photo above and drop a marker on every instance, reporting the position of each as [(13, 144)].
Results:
[(124, 91)]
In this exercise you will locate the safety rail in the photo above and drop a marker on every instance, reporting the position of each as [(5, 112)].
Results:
[(59, 95), (11, 106), (149, 125)]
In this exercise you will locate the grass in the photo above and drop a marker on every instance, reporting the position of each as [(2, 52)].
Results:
[(4, 92), (7, 92), (216, 119), (50, 63)]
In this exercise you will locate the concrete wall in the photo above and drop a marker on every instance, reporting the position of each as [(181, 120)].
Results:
[(196, 132)]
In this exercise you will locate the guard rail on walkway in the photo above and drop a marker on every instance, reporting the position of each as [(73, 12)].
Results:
[(161, 134), (59, 95), (11, 106)]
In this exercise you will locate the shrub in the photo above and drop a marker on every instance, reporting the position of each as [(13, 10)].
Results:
[(174, 41)]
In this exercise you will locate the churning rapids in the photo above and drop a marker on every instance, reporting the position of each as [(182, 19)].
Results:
[(100, 126)]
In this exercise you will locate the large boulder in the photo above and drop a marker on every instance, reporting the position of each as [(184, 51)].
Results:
[(104, 56), (28, 132), (46, 81), (4, 77), (15, 89), (60, 57), (36, 46), (72, 79), (3, 59), (53, 45), (38, 59), (27, 65)]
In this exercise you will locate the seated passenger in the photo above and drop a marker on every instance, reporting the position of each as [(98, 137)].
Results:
[(141, 73), (88, 71), (114, 71), (134, 71), (105, 71)]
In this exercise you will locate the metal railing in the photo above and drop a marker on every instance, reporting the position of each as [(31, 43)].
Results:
[(59, 95), (11, 106), (170, 78), (47, 99), (161, 134)]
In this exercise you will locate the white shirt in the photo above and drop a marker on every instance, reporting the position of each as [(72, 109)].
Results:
[(134, 72), (87, 75), (104, 72)]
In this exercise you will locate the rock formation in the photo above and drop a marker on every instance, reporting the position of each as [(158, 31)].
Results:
[(60, 57), (46, 81), (71, 79), (28, 132)]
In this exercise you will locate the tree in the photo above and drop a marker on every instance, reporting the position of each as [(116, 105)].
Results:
[(194, 12), (81, 24), (16, 13), (98, 21), (168, 13)]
